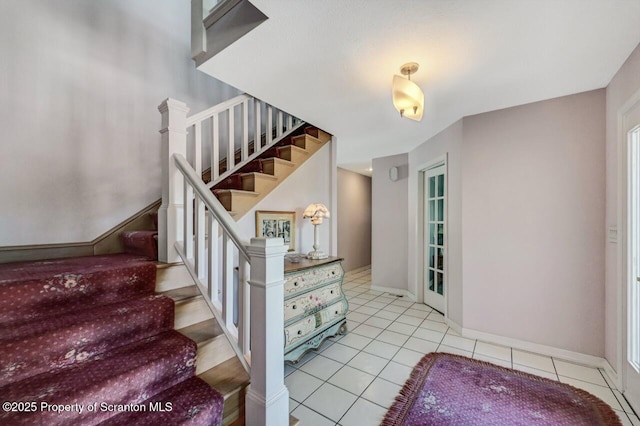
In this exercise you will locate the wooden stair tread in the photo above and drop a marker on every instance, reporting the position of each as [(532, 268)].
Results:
[(163, 265), (280, 161), (309, 137), (261, 175), (227, 378), (182, 293), (237, 191), (203, 331), (296, 148)]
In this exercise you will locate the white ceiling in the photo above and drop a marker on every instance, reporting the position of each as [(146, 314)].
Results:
[(331, 62)]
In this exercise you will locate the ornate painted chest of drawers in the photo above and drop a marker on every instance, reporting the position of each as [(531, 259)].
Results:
[(315, 307)]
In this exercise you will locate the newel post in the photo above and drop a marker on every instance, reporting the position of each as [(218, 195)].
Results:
[(174, 141), (267, 402)]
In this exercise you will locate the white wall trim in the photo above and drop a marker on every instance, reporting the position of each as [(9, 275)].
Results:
[(334, 196), (395, 291), (456, 327), (563, 354), (360, 269), (612, 374)]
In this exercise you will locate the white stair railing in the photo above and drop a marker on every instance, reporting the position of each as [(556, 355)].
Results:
[(230, 126), (196, 229)]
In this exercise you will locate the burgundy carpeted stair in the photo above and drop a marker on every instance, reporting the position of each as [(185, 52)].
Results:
[(142, 243), (193, 402), (80, 336), (30, 290), (91, 330)]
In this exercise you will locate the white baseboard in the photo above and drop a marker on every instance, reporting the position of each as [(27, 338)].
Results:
[(392, 290), (456, 327), (355, 271), (563, 354), (613, 375)]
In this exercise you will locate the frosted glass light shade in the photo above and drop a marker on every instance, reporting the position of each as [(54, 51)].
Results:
[(408, 98), (316, 211)]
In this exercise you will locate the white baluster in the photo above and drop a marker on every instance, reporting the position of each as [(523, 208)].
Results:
[(187, 243), (245, 130), (174, 140), (197, 148), (243, 306), (279, 129), (227, 280), (267, 402), (215, 147), (212, 265), (257, 144), (231, 146), (269, 124), (201, 265)]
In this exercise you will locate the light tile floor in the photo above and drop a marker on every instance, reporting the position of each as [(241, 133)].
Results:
[(353, 379)]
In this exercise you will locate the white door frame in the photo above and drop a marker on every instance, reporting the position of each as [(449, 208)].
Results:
[(623, 252), (436, 162)]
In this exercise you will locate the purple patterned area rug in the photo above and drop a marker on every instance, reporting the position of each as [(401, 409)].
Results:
[(446, 389)]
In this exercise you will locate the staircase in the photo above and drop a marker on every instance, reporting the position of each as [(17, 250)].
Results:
[(101, 329), (91, 330), (243, 189)]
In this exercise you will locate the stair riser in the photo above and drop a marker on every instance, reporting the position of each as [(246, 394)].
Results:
[(233, 406), (295, 156), (237, 202), (321, 135), (191, 311), (308, 143), (172, 277), (214, 352), (279, 170), (259, 184)]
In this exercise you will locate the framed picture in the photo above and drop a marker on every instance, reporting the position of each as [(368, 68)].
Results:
[(277, 225)]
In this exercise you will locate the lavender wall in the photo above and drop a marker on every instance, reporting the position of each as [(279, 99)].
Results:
[(533, 221), (80, 83), (622, 87), (310, 183), (354, 219), (389, 223)]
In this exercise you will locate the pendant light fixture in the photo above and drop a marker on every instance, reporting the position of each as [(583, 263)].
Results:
[(407, 96)]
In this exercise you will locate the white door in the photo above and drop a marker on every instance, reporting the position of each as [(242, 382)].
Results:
[(434, 242), (631, 128)]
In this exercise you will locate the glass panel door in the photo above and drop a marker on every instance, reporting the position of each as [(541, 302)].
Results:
[(435, 220)]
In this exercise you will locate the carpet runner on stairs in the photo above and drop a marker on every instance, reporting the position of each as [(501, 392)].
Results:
[(142, 243), (84, 331)]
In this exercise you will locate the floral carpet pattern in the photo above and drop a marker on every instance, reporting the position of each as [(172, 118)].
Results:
[(86, 340), (446, 389)]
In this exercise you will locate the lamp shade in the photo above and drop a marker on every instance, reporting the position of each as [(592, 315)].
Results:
[(408, 98), (316, 212)]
